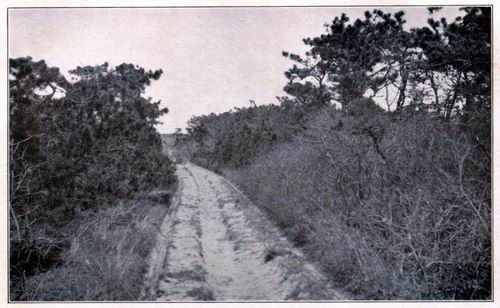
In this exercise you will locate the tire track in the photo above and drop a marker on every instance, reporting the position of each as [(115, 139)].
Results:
[(221, 247)]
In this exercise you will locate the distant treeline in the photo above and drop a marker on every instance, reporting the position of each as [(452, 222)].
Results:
[(393, 202), (77, 148)]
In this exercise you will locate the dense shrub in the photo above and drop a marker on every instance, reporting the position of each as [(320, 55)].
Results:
[(392, 205), (233, 139), (75, 146), (408, 218)]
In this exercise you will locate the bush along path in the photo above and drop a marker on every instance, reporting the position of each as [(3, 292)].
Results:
[(217, 245)]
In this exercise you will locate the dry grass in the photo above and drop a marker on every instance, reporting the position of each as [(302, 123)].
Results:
[(107, 258)]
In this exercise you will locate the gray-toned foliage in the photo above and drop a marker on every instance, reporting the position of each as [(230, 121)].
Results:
[(412, 223)]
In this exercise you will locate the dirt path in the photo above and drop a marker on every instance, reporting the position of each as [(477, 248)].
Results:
[(217, 245)]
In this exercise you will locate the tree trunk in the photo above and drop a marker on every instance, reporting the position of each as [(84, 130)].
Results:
[(402, 92), (435, 89), (451, 104)]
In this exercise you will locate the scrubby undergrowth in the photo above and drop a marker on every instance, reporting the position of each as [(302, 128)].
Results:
[(392, 206), (409, 220)]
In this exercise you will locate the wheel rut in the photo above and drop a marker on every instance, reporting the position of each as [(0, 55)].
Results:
[(219, 246)]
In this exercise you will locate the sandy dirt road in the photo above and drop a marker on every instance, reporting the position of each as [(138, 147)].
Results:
[(217, 245)]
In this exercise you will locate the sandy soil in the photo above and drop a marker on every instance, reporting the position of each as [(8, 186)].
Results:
[(217, 245)]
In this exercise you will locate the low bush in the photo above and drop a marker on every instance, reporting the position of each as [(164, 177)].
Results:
[(233, 139), (391, 208)]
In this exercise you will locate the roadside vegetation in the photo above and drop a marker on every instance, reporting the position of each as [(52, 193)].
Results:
[(391, 197), (88, 181)]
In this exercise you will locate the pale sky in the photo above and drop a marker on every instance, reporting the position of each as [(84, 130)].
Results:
[(213, 59)]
